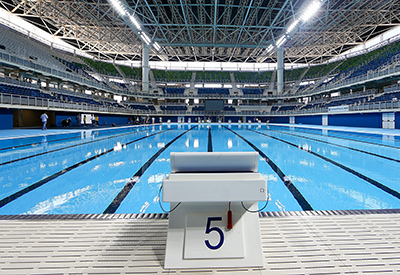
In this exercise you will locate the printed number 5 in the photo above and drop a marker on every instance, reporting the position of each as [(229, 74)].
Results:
[(217, 229)]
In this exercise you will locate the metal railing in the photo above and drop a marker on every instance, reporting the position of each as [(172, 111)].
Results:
[(17, 101)]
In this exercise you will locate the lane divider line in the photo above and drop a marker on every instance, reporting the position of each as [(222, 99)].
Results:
[(114, 205), (289, 185), (36, 185), (348, 169)]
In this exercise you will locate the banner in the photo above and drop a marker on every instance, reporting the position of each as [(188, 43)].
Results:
[(344, 108)]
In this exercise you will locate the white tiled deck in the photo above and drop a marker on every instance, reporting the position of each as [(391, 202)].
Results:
[(342, 242)]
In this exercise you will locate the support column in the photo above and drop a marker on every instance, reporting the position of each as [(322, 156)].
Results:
[(280, 82), (145, 68)]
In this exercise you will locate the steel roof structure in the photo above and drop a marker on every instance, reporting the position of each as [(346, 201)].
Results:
[(211, 30)]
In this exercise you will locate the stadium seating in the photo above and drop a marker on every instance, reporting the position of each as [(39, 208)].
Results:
[(253, 77), (142, 107), (173, 107), (23, 91), (229, 109), (285, 108), (198, 108), (247, 91), (293, 75), (386, 97), (213, 77), (102, 67), (77, 99), (131, 73), (172, 76), (213, 91), (173, 90)]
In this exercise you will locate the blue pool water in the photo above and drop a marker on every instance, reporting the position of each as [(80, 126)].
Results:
[(119, 170)]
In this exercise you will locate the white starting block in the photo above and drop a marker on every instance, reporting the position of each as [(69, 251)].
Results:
[(207, 185)]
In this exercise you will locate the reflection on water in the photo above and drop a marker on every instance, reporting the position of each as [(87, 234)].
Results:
[(92, 188), (48, 205)]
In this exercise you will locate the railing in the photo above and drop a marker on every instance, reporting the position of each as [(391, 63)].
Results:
[(373, 106), (393, 88), (371, 75), (15, 82), (383, 105), (45, 103), (12, 100)]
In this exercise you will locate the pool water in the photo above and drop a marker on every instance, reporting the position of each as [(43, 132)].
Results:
[(120, 170)]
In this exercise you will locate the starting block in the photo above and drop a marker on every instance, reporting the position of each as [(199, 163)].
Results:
[(201, 232)]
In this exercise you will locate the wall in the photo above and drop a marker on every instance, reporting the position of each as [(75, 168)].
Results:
[(233, 119), (314, 120), (60, 116), (172, 118), (103, 119), (6, 118), (278, 119), (371, 120)]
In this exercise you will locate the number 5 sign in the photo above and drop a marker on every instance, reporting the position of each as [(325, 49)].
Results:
[(206, 237)]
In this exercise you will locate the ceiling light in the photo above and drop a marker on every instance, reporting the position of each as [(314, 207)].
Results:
[(135, 22), (281, 41), (270, 48), (156, 46), (145, 38), (117, 6), (292, 26), (311, 10)]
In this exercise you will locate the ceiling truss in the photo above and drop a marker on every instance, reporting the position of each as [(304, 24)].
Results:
[(211, 30)]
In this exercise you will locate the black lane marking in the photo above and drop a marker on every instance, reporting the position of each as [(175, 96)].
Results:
[(348, 169), (289, 185), (71, 146), (327, 142), (344, 138), (210, 147), (35, 185), (136, 177)]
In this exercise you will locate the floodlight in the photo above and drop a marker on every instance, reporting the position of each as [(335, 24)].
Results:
[(281, 41), (156, 46), (311, 10), (135, 22), (292, 26), (146, 39), (118, 7), (270, 48)]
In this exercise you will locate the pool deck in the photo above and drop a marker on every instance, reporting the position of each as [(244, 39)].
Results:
[(312, 242)]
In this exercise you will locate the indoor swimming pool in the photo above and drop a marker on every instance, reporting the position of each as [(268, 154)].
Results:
[(120, 169)]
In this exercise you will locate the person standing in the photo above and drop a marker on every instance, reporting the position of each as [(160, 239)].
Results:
[(44, 119), (78, 120)]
